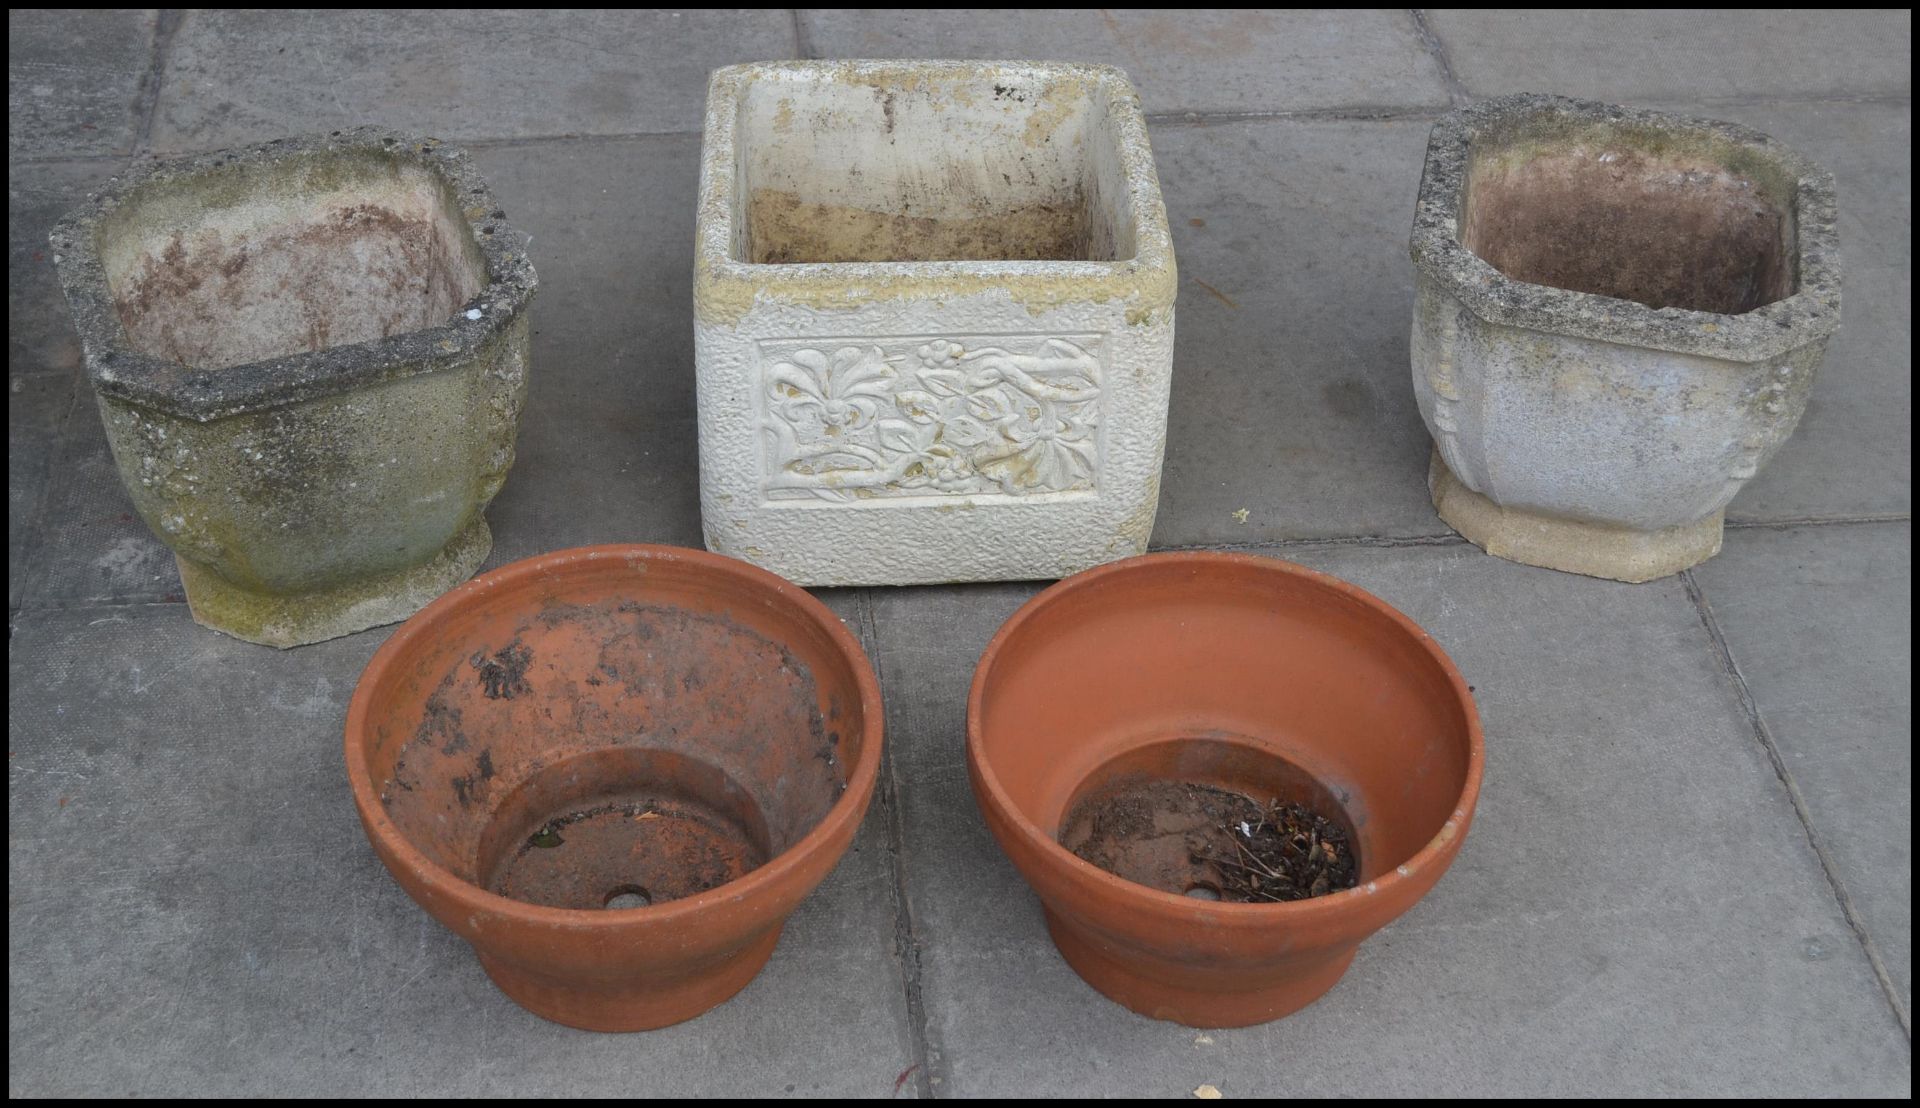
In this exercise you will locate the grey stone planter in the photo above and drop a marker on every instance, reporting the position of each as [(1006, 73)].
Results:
[(310, 357), (1618, 319)]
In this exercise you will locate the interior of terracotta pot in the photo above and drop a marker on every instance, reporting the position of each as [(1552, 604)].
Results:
[(1145, 815), (1262, 683), (613, 739), (1654, 216), (927, 167), (254, 260)]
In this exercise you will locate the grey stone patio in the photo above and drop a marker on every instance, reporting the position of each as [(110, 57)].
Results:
[(1691, 872)]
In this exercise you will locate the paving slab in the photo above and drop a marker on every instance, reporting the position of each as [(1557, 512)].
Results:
[(91, 547), (1292, 393), (40, 335), (248, 76), (609, 444), (194, 909), (1678, 53), (73, 79), (36, 406), (1636, 911), (1820, 624), (1852, 454), (1181, 60), (612, 228)]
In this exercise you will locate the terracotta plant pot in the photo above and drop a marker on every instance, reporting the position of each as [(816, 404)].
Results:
[(1236, 672), (616, 771), (311, 357), (933, 320), (1618, 321)]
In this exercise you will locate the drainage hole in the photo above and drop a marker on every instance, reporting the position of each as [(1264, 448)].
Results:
[(628, 896), (1197, 892)]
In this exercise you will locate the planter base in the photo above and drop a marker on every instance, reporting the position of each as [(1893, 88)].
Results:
[(641, 1008), (295, 620), (1553, 542), (1157, 999)]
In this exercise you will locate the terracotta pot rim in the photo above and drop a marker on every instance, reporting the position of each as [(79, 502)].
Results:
[(848, 808), (1436, 853)]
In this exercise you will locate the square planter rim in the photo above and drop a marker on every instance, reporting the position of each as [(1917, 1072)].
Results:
[(202, 395), (1810, 314), (725, 285)]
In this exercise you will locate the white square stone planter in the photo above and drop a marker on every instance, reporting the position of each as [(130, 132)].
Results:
[(1618, 320), (934, 320)]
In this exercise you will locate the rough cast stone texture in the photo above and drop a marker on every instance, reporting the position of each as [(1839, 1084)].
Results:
[(933, 320), (1618, 319), (310, 358)]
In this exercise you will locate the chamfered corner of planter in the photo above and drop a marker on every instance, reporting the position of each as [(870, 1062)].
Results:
[(310, 358), (933, 320)]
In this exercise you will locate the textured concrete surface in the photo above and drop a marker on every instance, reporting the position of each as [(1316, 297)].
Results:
[(1819, 622), (1647, 904), (1704, 55), (1182, 60), (243, 76)]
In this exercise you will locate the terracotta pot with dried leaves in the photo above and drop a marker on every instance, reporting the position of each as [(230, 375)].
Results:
[(616, 771), (1199, 673)]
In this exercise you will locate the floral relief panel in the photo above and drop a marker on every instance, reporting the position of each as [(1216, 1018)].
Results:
[(990, 416)]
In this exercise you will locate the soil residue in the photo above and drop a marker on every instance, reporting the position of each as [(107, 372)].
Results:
[(1207, 842)]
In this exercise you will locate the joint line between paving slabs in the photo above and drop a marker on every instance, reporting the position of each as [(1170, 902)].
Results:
[(802, 43), (905, 937), (146, 102), (1831, 521), (1350, 113), (1456, 91), (1384, 542), (1724, 654)]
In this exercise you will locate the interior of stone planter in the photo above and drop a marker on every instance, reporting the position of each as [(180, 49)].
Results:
[(1263, 684), (614, 742), (254, 260), (1654, 216), (927, 168)]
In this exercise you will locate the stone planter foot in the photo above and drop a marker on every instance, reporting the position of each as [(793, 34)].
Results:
[(273, 619), (1570, 545)]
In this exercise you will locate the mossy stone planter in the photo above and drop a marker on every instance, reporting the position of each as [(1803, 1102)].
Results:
[(1618, 320), (310, 357), (933, 320)]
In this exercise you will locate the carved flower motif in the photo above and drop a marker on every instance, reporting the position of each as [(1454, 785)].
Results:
[(841, 392), (860, 423)]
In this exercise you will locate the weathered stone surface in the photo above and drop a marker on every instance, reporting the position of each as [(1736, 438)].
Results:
[(457, 73), (73, 79), (933, 320), (1291, 417), (1186, 60), (1619, 318), (1819, 622), (310, 358), (1852, 453), (1678, 54)]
